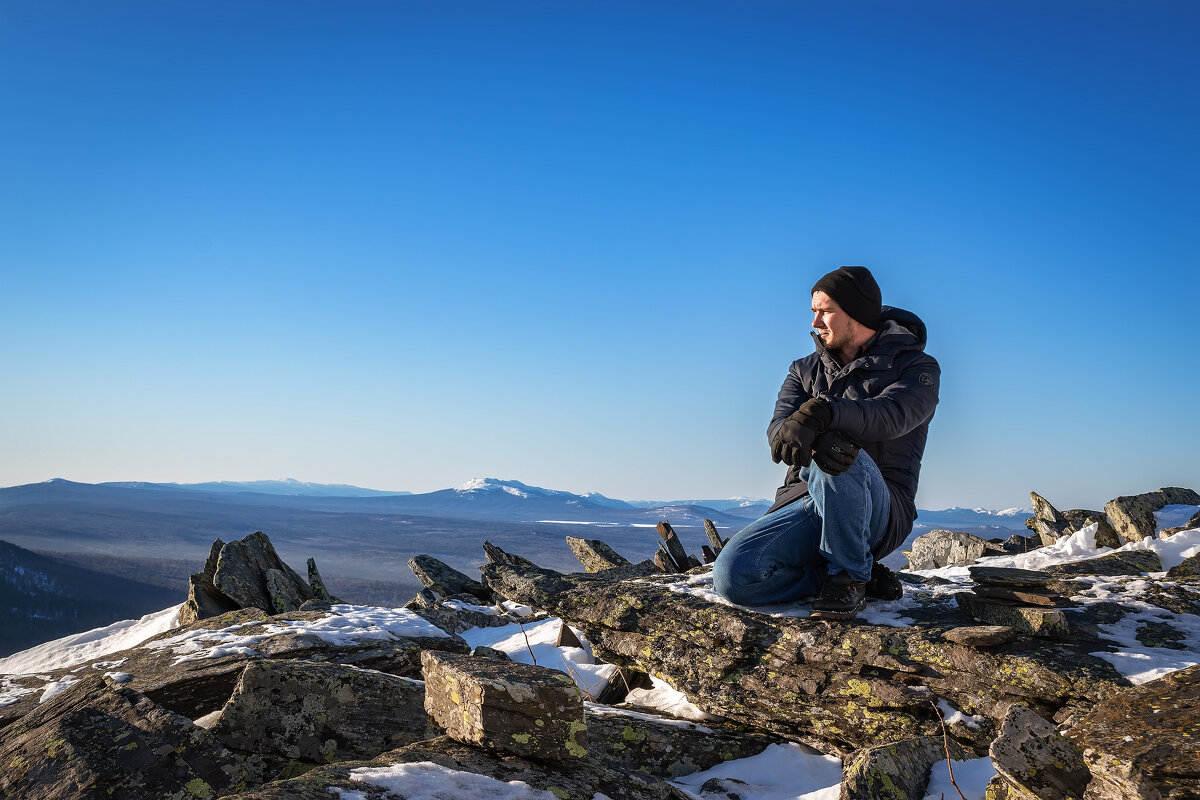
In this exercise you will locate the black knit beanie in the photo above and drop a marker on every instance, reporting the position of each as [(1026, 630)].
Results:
[(855, 290)]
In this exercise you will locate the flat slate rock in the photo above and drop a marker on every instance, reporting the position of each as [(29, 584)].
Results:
[(1129, 562), (1009, 576), (981, 635), (1022, 596)]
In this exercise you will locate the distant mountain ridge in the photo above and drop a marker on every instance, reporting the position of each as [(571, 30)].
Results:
[(482, 498)]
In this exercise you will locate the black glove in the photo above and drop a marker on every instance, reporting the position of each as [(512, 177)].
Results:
[(834, 453), (793, 441)]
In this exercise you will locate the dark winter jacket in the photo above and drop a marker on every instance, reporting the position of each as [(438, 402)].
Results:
[(883, 400)]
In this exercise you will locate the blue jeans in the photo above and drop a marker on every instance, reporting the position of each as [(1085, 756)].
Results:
[(786, 555)]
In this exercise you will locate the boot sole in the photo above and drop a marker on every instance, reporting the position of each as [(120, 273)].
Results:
[(838, 615)]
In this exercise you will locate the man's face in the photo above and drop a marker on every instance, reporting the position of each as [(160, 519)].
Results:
[(836, 328)]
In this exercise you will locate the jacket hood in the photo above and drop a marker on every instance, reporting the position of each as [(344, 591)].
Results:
[(905, 319)]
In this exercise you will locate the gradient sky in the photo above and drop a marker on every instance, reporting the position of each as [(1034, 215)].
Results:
[(404, 244)]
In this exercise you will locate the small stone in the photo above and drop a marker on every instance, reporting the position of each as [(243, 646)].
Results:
[(981, 635), (483, 651), (521, 709)]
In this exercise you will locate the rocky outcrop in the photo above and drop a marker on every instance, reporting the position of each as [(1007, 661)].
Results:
[(842, 686), (1144, 743), (1048, 522), (1133, 515), (301, 704), (943, 548), (247, 574), (98, 741)]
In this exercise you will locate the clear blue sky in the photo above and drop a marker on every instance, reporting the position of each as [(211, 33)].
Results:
[(404, 244)]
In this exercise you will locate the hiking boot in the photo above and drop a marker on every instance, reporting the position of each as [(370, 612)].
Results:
[(841, 597), (884, 585)]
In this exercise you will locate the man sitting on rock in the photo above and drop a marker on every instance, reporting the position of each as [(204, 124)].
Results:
[(850, 422)]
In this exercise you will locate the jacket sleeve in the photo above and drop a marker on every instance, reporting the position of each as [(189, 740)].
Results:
[(792, 395), (899, 408)]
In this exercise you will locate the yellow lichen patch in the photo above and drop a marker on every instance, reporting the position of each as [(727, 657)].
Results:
[(197, 787), (573, 747)]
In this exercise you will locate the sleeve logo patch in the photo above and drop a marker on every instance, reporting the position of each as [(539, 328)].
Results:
[(926, 379)]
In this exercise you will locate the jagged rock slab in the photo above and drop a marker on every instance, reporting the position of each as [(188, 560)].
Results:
[(317, 584), (665, 747), (1037, 621), (445, 580), (941, 548), (897, 771), (1133, 515), (243, 572), (577, 779), (1129, 562), (520, 709), (96, 742), (321, 712), (1144, 742), (595, 555), (837, 685), (1047, 520), (1031, 755), (204, 600)]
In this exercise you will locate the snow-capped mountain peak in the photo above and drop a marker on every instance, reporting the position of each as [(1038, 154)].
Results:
[(515, 488)]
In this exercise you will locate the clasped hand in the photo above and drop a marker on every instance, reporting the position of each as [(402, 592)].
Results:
[(803, 438)]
